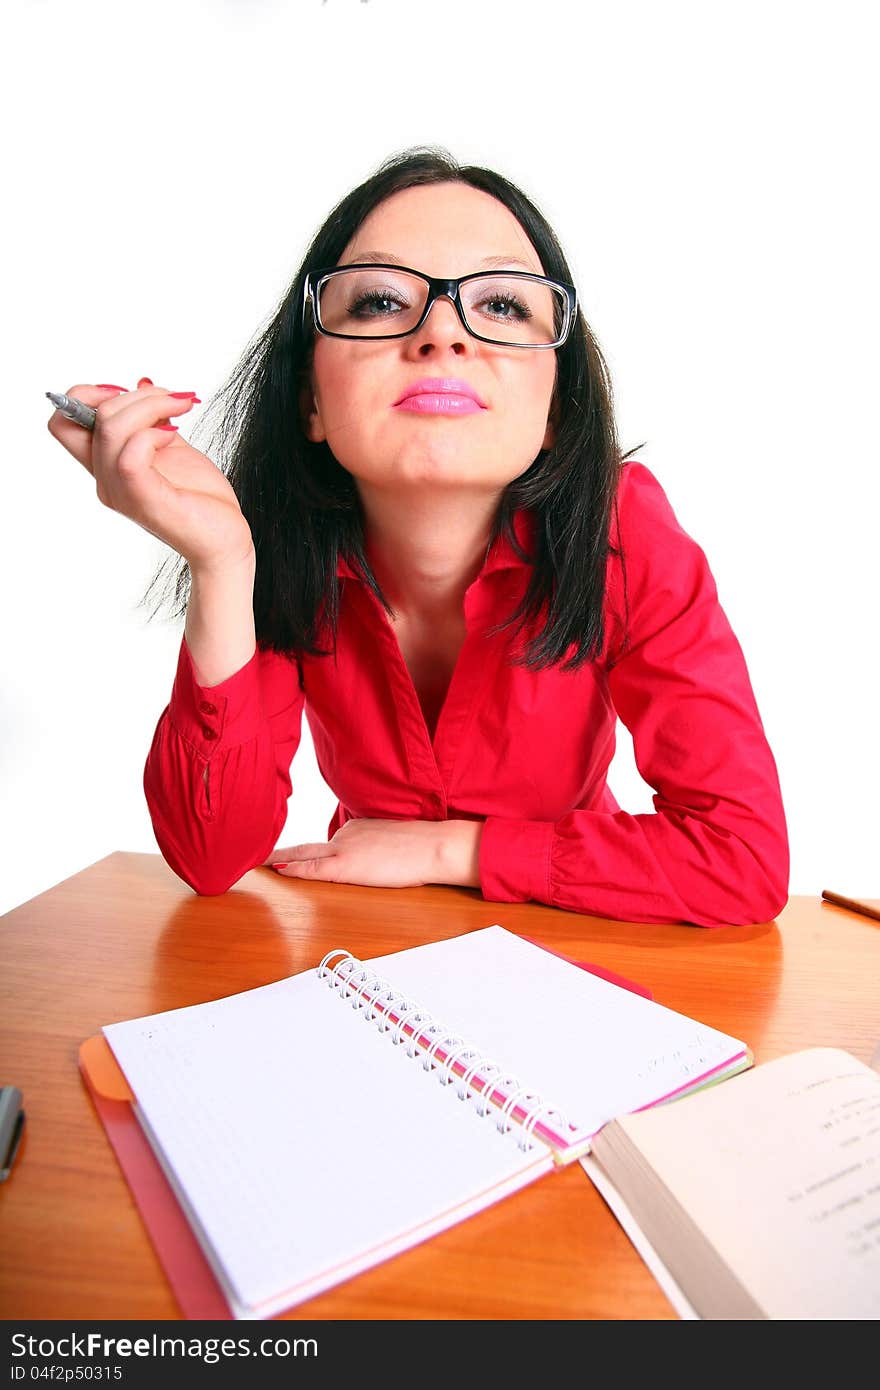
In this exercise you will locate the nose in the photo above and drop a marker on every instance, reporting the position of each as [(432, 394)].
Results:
[(442, 331)]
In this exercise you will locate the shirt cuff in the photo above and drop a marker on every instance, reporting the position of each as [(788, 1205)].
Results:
[(216, 718), (515, 860)]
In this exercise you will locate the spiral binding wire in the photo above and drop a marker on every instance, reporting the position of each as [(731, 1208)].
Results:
[(370, 993), (491, 1073), (411, 1012), (455, 1054), (443, 1036), (504, 1121)]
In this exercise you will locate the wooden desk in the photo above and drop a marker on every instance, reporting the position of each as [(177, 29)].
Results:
[(126, 937)]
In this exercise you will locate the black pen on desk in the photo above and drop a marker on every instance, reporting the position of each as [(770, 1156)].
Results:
[(854, 905), (11, 1127), (73, 409)]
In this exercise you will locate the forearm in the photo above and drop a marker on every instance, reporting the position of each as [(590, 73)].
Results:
[(663, 867), (219, 629), (213, 820), (217, 777)]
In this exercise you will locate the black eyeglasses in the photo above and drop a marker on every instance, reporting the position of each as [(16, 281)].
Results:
[(511, 308)]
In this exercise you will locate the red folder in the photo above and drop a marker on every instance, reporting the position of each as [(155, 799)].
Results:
[(191, 1278), (189, 1274)]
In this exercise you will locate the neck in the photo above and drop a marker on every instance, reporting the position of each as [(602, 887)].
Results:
[(425, 551)]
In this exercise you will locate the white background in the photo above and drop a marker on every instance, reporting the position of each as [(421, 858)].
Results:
[(711, 173)]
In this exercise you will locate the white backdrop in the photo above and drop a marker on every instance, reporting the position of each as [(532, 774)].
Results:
[(709, 172)]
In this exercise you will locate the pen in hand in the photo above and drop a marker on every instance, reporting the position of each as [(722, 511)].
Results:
[(73, 409)]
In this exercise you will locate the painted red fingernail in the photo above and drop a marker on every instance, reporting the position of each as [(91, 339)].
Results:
[(144, 381), (278, 866), (184, 395), (108, 386), (167, 427)]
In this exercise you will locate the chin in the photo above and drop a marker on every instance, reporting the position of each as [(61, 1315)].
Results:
[(456, 472), (436, 479), (445, 460), (454, 458)]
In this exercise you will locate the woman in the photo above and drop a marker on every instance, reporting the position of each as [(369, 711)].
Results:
[(429, 541)]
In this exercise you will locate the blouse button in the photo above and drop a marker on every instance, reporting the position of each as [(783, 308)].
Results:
[(208, 731), (207, 708)]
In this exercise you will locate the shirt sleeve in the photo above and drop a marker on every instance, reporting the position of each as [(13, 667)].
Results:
[(715, 849), (217, 776)]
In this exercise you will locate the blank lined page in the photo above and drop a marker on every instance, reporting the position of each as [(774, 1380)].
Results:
[(306, 1144), (591, 1047)]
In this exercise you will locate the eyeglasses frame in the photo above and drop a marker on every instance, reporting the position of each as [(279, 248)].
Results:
[(437, 288)]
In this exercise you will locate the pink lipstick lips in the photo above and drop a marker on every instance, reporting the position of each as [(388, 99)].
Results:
[(440, 396)]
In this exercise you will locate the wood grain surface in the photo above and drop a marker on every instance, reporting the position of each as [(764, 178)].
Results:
[(125, 937)]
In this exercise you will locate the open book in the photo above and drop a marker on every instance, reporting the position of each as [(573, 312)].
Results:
[(313, 1127), (761, 1199)]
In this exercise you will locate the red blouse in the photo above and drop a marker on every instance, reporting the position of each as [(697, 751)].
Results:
[(525, 751)]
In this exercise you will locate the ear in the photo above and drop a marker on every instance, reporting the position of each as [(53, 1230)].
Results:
[(310, 413)]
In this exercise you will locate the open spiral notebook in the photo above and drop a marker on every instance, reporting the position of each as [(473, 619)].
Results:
[(315, 1126)]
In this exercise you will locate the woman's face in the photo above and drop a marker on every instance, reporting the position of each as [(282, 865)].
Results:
[(443, 230)]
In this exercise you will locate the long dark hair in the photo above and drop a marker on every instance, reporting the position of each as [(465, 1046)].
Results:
[(303, 507)]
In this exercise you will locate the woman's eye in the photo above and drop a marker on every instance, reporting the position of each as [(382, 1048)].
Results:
[(506, 306), (374, 304)]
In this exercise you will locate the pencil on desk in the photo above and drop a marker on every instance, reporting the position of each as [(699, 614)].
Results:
[(854, 905)]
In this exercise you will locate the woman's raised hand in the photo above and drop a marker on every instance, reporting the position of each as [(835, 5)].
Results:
[(145, 471)]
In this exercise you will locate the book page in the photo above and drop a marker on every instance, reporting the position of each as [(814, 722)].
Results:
[(591, 1047), (780, 1170), (305, 1143)]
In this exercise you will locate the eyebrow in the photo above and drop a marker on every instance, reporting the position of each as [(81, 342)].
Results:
[(488, 262)]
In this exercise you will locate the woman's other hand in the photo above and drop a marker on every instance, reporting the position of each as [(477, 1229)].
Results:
[(145, 471), (389, 854)]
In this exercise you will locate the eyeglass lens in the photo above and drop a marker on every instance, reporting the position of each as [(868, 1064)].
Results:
[(374, 303)]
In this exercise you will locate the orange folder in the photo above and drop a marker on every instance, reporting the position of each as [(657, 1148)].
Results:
[(190, 1275)]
